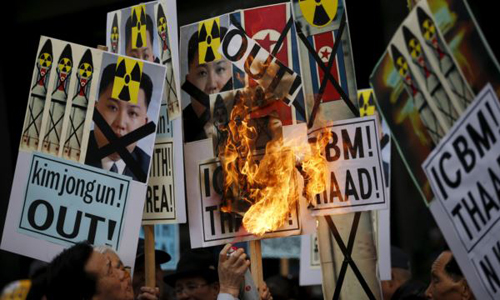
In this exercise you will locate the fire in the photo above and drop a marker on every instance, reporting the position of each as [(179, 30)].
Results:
[(266, 190)]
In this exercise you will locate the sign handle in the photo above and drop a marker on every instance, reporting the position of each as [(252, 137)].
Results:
[(149, 255), (256, 263)]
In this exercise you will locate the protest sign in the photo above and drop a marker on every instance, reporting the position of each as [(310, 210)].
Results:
[(68, 204), (464, 172), (267, 70), (145, 31), (160, 19), (425, 79), (381, 218), (90, 181), (274, 41), (326, 55), (208, 225), (355, 181), (272, 90), (310, 264)]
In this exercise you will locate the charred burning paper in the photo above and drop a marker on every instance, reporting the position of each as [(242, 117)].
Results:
[(272, 75), (210, 223), (81, 170)]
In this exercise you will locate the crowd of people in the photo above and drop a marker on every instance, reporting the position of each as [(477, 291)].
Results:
[(84, 271)]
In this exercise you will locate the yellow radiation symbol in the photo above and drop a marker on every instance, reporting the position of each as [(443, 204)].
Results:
[(45, 60), (415, 49), (402, 66), (162, 24), (319, 13), (429, 29), (85, 70), (208, 40), (139, 26), (65, 65), (365, 100), (114, 33), (127, 80)]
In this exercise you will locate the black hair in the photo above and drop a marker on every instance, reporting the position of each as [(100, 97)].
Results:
[(128, 29), (453, 270), (38, 287), (193, 43), (66, 276), (108, 76)]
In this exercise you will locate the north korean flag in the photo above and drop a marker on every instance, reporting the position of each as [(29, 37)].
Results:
[(323, 44), (265, 25)]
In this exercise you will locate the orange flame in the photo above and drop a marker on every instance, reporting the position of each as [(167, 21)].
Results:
[(270, 187)]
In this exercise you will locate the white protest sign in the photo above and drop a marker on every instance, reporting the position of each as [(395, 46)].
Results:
[(65, 203), (56, 199), (260, 65), (160, 204), (310, 263), (355, 181), (220, 227), (464, 173), (208, 225), (94, 205)]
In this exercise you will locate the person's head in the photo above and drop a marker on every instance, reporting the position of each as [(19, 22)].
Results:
[(447, 280), (113, 277), (400, 272), (210, 77), (146, 51), (80, 272), (123, 117), (196, 277), (139, 278)]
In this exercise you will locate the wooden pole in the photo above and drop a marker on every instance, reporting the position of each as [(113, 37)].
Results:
[(284, 267), (256, 263), (149, 255)]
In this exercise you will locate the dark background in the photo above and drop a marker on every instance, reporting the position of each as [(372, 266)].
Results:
[(372, 24)]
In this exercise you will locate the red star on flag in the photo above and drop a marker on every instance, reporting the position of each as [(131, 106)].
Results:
[(266, 42), (325, 54)]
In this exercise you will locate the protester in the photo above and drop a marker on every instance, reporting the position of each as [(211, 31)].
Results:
[(85, 272), (282, 288), (401, 285), (138, 280), (447, 280), (196, 277)]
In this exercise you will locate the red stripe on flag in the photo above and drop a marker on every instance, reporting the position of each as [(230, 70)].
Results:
[(265, 24), (323, 44)]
